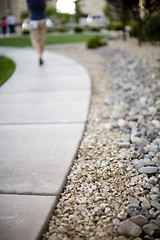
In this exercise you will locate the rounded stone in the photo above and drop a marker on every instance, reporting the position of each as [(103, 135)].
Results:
[(139, 220), (151, 230), (148, 170), (146, 205), (129, 229), (150, 135), (155, 205)]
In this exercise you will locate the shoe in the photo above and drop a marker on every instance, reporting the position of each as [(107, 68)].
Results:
[(40, 61)]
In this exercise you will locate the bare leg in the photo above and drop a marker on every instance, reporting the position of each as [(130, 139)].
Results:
[(38, 39), (42, 46), (37, 47)]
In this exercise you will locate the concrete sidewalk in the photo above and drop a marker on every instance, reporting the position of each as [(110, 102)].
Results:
[(43, 115)]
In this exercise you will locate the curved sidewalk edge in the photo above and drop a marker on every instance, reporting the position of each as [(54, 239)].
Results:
[(43, 115)]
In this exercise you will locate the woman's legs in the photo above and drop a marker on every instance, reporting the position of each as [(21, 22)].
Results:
[(38, 39)]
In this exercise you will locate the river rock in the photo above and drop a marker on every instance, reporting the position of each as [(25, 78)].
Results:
[(139, 220), (129, 229), (156, 222), (150, 135), (146, 205), (155, 205), (156, 123), (148, 170), (152, 230)]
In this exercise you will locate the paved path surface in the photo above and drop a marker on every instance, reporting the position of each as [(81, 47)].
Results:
[(43, 115)]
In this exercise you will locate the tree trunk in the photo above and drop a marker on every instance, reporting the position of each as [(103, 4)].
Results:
[(139, 29)]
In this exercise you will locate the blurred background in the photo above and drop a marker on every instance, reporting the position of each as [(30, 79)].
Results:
[(125, 18)]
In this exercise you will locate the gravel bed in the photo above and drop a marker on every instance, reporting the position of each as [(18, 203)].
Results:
[(113, 190)]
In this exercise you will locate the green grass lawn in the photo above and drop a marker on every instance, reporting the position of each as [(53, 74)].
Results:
[(7, 67), (24, 41)]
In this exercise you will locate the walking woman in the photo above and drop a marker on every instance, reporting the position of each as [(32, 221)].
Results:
[(38, 25)]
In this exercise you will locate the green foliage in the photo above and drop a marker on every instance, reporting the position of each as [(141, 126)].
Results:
[(109, 12), (152, 7), (94, 29), (24, 14), (61, 29), (64, 17), (78, 29), (115, 26), (25, 32), (78, 13), (51, 12), (7, 67), (134, 30), (96, 41), (151, 28)]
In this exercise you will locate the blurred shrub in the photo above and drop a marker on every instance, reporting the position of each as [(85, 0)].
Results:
[(78, 29), (61, 29), (95, 29), (51, 12), (24, 14), (115, 26), (151, 28), (25, 32), (134, 30), (96, 41)]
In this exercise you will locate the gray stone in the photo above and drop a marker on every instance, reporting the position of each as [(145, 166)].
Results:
[(158, 155), (153, 212), (150, 135), (146, 237), (124, 145), (155, 190), (148, 156), (154, 148), (151, 230), (129, 229), (148, 186), (139, 220), (158, 218), (156, 222), (141, 163), (153, 180), (133, 210), (143, 132), (133, 206), (109, 100), (155, 205), (148, 170), (154, 196), (142, 142), (135, 139)]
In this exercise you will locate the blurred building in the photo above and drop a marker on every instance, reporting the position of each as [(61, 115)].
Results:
[(91, 6), (17, 6)]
